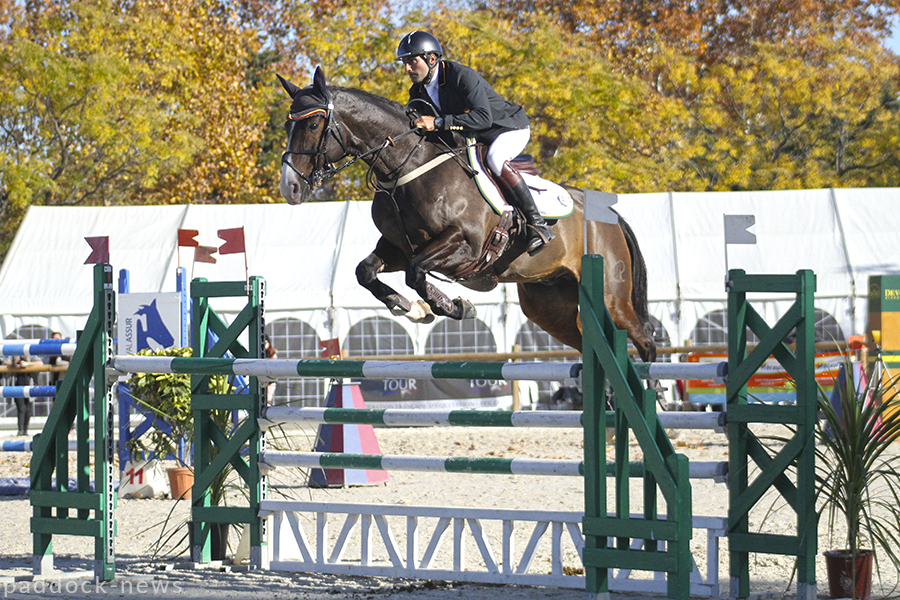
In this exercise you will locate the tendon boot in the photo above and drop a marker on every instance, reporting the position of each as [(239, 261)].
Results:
[(537, 233)]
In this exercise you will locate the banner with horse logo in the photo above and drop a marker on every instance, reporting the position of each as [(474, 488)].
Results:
[(148, 321)]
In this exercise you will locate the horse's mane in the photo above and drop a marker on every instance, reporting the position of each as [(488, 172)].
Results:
[(379, 102)]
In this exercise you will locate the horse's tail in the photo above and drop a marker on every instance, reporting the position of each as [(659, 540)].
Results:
[(638, 278)]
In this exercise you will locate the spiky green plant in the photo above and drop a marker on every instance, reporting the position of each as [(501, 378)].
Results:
[(857, 470)]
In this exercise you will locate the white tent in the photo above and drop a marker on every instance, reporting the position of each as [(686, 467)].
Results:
[(308, 254)]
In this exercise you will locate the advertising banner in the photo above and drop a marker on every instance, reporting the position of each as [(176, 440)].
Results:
[(770, 384)]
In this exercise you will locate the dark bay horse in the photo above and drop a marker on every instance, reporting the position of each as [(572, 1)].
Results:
[(433, 219)]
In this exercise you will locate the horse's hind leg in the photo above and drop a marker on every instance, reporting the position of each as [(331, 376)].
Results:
[(367, 276), (624, 316), (554, 308)]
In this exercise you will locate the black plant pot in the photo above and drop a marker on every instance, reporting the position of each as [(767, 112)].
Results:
[(218, 541)]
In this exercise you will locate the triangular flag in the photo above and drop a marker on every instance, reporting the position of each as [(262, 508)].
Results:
[(204, 254), (186, 237), (99, 250), (597, 206), (234, 241), (331, 348), (736, 229)]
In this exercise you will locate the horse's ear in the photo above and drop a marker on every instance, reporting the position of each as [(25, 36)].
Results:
[(319, 85), (289, 87)]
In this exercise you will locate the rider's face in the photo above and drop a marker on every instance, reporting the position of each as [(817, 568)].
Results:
[(417, 68)]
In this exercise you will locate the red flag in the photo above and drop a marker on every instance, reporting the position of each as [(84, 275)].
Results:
[(186, 237), (234, 241), (204, 254), (331, 348), (99, 250)]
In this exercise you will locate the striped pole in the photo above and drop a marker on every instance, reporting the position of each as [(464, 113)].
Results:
[(27, 391), (273, 369), (28, 445), (42, 348), (458, 464), (41, 341), (275, 415)]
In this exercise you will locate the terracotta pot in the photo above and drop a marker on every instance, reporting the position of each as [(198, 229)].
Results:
[(181, 479), (839, 564)]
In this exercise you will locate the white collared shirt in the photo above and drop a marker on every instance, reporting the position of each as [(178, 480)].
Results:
[(432, 86)]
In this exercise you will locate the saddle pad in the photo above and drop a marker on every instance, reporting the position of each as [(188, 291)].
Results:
[(551, 199)]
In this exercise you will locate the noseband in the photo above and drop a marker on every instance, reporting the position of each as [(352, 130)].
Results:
[(322, 169)]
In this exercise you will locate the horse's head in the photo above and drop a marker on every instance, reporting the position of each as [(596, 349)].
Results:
[(313, 140)]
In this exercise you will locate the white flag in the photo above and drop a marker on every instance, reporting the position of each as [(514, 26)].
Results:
[(736, 229), (597, 206)]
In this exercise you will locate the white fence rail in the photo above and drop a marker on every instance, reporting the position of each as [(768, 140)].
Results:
[(383, 540)]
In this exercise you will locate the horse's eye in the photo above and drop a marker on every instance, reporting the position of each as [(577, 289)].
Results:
[(313, 126)]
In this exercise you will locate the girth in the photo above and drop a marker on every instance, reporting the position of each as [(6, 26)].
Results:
[(495, 244)]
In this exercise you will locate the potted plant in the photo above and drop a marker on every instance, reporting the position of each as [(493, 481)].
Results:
[(168, 397), (858, 477)]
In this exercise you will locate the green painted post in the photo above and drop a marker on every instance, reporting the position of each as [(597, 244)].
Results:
[(807, 402), (594, 421), (52, 505), (745, 449), (217, 450), (665, 473)]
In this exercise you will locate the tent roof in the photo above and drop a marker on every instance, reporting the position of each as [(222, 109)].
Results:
[(308, 253)]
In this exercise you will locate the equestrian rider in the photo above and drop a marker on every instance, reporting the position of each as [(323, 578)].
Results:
[(466, 103)]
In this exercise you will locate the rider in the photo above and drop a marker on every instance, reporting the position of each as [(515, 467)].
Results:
[(467, 103)]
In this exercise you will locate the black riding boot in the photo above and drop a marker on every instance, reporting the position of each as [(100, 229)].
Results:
[(538, 233)]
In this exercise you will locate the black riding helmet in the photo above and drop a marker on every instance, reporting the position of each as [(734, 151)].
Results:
[(418, 43)]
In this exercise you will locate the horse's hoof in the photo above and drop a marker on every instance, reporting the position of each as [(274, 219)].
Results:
[(420, 312), (466, 309)]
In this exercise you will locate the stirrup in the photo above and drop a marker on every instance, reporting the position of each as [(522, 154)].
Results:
[(538, 237)]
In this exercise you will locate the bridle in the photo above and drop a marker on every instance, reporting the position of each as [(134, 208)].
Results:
[(322, 169)]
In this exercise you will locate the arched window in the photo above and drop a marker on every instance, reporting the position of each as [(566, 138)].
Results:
[(456, 337), (377, 336), (712, 328), (468, 335), (294, 338)]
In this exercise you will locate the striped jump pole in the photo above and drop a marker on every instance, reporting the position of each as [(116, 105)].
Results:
[(28, 445), (27, 391), (460, 464), (274, 369), (275, 415), (41, 348), (40, 341)]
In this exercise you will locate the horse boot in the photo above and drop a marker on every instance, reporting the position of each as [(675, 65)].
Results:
[(538, 233)]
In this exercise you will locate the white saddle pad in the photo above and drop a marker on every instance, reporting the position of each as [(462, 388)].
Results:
[(551, 199)]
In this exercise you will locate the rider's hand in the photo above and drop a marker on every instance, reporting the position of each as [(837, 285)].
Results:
[(425, 122)]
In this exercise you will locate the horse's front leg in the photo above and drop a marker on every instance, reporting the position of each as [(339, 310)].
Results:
[(367, 275), (446, 252)]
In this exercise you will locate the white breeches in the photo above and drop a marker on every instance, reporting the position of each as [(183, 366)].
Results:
[(507, 146)]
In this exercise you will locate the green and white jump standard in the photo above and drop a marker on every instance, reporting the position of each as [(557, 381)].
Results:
[(615, 538)]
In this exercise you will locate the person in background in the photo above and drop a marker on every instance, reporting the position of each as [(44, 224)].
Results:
[(23, 405), (270, 352), (57, 361)]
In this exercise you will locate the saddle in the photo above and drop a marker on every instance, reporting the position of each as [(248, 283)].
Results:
[(498, 240)]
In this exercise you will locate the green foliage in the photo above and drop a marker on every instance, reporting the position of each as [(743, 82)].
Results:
[(857, 471), (168, 397)]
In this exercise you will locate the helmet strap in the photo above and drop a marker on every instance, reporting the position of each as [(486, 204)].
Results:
[(431, 67)]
